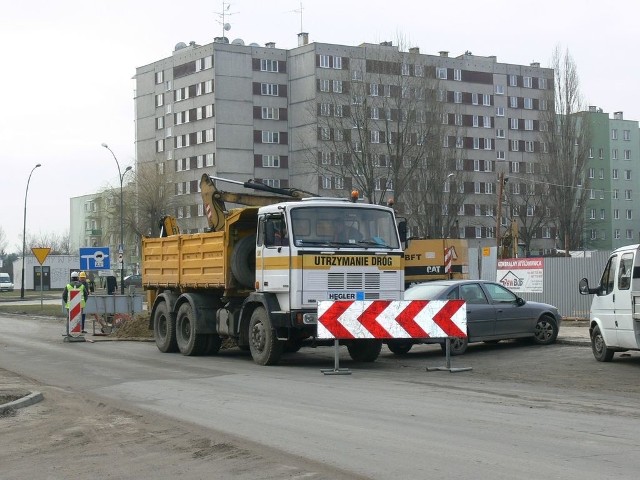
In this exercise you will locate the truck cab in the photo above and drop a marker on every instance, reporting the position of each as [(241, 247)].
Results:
[(614, 319)]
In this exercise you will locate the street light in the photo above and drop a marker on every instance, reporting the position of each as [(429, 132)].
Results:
[(121, 247), (24, 230)]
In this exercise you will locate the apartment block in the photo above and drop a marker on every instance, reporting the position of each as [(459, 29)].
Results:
[(258, 112)]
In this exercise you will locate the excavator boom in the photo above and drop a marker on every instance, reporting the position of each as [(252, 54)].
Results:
[(214, 199)]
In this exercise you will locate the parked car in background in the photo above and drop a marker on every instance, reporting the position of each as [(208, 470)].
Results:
[(6, 285), (135, 280), (494, 313)]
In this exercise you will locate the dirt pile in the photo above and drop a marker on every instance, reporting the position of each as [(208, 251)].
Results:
[(136, 327)]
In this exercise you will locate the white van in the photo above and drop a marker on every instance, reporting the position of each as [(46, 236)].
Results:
[(5, 283), (614, 320)]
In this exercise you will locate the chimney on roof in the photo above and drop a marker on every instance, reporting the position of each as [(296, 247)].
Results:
[(270, 44), (415, 50), (593, 108), (535, 64), (303, 39), (443, 53), (618, 116)]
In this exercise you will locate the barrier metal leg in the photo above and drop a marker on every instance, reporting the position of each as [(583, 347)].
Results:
[(447, 367), (336, 362)]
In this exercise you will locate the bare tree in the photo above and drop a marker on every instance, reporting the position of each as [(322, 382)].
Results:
[(529, 204), (567, 139), (3, 241), (150, 199), (380, 141), (60, 244)]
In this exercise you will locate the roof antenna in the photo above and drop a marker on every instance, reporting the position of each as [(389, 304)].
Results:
[(225, 12), (299, 10)]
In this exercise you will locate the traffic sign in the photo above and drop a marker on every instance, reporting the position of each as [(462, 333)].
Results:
[(95, 258), (41, 253)]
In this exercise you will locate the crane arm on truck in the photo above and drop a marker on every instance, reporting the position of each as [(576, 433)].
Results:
[(214, 199)]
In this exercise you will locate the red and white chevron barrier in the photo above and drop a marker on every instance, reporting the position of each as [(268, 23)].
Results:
[(392, 319), (75, 311)]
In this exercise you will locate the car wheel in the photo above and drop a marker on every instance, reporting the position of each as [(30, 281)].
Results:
[(458, 345), (599, 347), (546, 331), (399, 347)]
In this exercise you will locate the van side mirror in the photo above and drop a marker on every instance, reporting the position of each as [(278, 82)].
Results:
[(402, 230), (584, 289)]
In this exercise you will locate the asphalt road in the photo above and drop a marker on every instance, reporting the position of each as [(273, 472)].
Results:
[(522, 411)]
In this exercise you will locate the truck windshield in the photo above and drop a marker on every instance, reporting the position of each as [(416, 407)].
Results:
[(343, 227)]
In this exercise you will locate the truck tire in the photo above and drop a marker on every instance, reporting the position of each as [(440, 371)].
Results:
[(243, 261), (189, 342), (601, 352), (364, 350), (265, 347), (164, 329), (399, 347)]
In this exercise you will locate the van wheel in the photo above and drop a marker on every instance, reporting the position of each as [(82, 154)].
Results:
[(243, 261), (599, 347), (546, 331)]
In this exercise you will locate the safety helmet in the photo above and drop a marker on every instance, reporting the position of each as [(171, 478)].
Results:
[(83, 275), (74, 275)]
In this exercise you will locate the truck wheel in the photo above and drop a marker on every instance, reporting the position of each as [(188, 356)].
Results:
[(265, 348), (187, 338), (399, 347), (243, 261), (364, 350), (457, 346), (164, 329), (546, 331), (599, 347)]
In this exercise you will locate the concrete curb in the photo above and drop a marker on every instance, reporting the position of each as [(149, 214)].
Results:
[(30, 399), (581, 342)]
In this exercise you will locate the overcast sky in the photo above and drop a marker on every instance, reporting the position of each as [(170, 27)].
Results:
[(67, 69)]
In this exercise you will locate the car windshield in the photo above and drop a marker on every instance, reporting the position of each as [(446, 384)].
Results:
[(424, 292), (343, 226)]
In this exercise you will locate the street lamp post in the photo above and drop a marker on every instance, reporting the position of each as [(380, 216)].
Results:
[(121, 247), (24, 230)]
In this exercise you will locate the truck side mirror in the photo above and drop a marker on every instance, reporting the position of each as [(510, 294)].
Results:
[(402, 230)]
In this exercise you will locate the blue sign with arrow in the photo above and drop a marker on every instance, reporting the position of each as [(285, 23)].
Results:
[(95, 258)]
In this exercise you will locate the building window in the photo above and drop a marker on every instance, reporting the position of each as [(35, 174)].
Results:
[(614, 154), (515, 145), (528, 124), (513, 102), (614, 174), (499, 111), (513, 80), (160, 146), (542, 83), (356, 75), (614, 134), (267, 65), (499, 89), (602, 214), (627, 194), (528, 103), (325, 109), (269, 89), (324, 85), (159, 99), (337, 86), (324, 61), (159, 123), (627, 174), (337, 63), (513, 123), (373, 89), (270, 113), (270, 137), (457, 97), (500, 155), (441, 73), (629, 214), (375, 136), (159, 77), (474, 98), (627, 154), (404, 69), (271, 161), (629, 234), (626, 135), (526, 82), (528, 146)]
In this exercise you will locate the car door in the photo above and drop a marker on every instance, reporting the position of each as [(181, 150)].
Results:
[(512, 318), (622, 303), (481, 315)]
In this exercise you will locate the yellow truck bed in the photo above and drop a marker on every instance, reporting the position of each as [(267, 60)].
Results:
[(197, 260)]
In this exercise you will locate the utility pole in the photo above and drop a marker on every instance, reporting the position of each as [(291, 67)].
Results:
[(499, 216)]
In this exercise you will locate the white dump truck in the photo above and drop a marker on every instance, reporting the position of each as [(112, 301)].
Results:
[(257, 276), (614, 319)]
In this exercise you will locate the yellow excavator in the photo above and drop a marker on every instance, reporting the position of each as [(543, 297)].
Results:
[(215, 201)]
